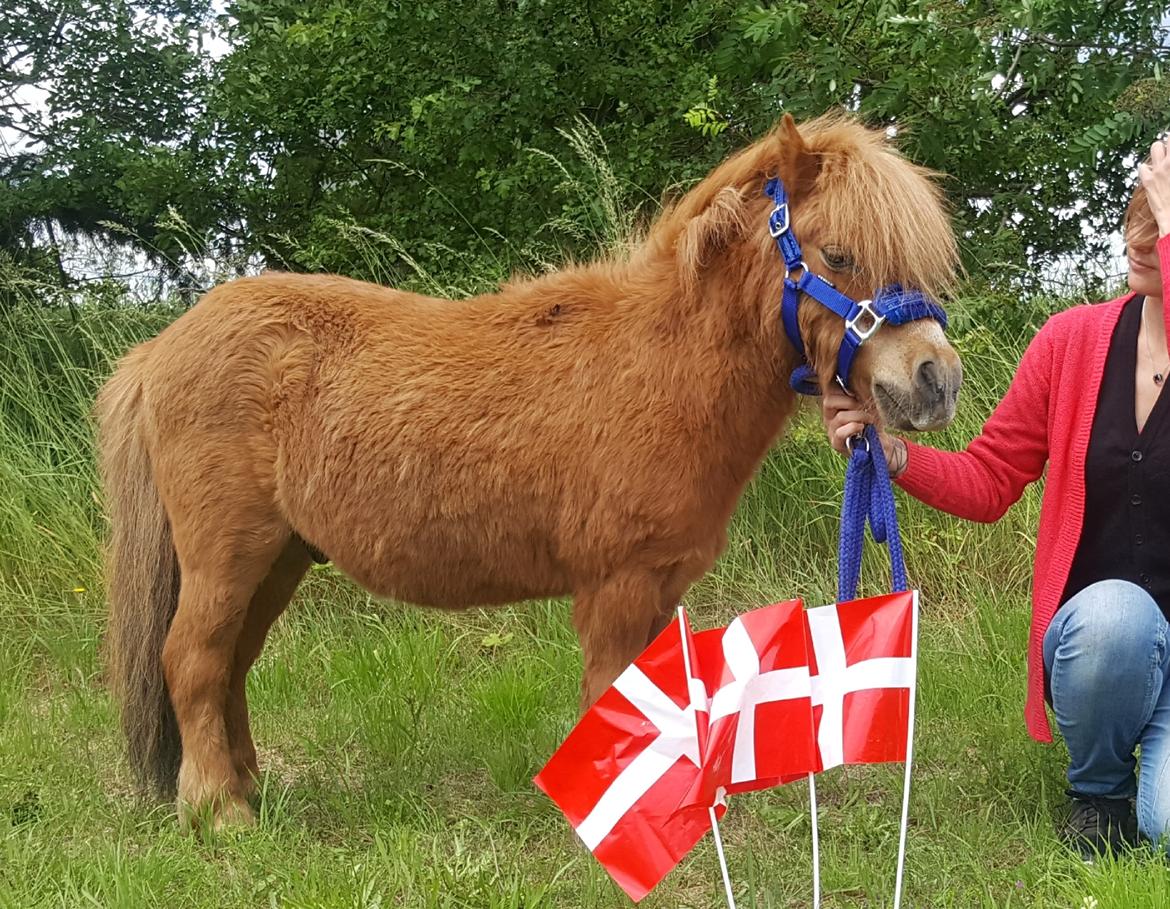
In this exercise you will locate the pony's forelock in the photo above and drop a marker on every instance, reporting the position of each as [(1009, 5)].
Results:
[(887, 212)]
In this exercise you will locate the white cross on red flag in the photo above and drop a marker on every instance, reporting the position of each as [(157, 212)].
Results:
[(621, 773), (862, 673), (760, 719), (779, 693)]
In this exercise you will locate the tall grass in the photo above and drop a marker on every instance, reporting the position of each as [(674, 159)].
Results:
[(398, 743), (51, 365)]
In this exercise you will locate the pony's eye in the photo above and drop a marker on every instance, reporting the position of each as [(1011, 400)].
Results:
[(836, 258)]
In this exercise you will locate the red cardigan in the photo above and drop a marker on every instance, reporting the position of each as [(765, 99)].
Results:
[(1045, 417)]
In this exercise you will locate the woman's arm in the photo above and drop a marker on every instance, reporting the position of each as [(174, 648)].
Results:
[(1155, 176), (983, 481)]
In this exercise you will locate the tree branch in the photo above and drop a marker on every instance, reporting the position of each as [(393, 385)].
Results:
[(856, 16), (1011, 73)]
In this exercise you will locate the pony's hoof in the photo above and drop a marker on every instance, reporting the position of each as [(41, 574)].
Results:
[(233, 814), (222, 814)]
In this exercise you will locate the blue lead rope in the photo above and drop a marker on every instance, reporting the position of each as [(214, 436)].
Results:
[(868, 497)]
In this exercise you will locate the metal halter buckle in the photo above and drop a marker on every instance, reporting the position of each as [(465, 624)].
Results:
[(774, 228), (864, 308)]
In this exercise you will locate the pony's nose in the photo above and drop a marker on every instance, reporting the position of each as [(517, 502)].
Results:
[(928, 383), (937, 388)]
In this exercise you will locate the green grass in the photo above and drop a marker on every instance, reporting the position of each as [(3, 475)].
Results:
[(399, 743)]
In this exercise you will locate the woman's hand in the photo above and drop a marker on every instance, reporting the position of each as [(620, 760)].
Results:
[(1155, 177), (845, 418)]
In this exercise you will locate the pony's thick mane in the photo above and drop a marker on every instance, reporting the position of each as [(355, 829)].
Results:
[(847, 179)]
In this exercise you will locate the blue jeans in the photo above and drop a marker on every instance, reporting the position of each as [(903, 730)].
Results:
[(1106, 658)]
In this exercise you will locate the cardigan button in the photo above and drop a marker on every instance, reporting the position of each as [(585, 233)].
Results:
[(1137, 539), (1136, 456), (1135, 500)]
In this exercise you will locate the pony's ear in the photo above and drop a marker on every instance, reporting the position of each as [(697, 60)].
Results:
[(710, 231), (722, 215), (799, 167)]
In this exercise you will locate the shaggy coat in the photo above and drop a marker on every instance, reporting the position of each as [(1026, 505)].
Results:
[(584, 433)]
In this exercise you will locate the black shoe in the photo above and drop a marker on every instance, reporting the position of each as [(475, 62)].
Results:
[(1098, 825)]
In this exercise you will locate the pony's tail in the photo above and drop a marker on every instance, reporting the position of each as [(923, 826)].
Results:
[(142, 581)]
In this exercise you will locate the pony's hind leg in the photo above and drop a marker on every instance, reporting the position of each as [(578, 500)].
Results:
[(223, 563), (269, 601)]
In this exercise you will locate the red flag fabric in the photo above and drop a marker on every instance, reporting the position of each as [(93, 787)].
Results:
[(863, 669), (780, 693), (760, 719), (622, 772)]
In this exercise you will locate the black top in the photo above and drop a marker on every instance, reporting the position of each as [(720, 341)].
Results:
[(1126, 534)]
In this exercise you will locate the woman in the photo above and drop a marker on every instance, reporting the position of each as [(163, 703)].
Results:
[(1086, 402)]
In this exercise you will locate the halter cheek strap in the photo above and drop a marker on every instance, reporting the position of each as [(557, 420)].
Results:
[(893, 303)]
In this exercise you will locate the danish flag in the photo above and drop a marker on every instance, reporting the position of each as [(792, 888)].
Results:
[(779, 693), (621, 773), (863, 670), (760, 731)]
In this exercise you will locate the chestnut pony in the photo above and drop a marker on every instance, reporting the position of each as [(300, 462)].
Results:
[(586, 433)]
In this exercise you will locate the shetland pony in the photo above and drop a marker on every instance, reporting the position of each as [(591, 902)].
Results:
[(585, 433)]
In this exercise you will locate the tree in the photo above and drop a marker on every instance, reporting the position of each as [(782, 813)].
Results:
[(106, 99), (1033, 108), (420, 120), (441, 127)]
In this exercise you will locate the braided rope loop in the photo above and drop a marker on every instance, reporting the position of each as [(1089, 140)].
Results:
[(869, 498)]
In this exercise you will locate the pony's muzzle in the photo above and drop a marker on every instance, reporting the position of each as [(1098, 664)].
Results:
[(929, 403)]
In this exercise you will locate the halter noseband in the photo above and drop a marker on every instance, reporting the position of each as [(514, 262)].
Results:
[(892, 303)]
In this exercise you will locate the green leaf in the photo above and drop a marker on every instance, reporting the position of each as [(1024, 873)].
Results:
[(496, 640)]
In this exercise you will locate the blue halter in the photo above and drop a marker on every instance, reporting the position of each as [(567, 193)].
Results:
[(892, 304)]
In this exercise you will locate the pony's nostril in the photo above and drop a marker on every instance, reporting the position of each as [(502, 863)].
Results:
[(928, 379)]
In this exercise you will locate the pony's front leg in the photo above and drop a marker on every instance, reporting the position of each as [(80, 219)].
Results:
[(615, 620)]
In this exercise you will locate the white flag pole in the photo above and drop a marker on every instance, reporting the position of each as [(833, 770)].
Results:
[(722, 860), (682, 631), (909, 759), (816, 841)]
